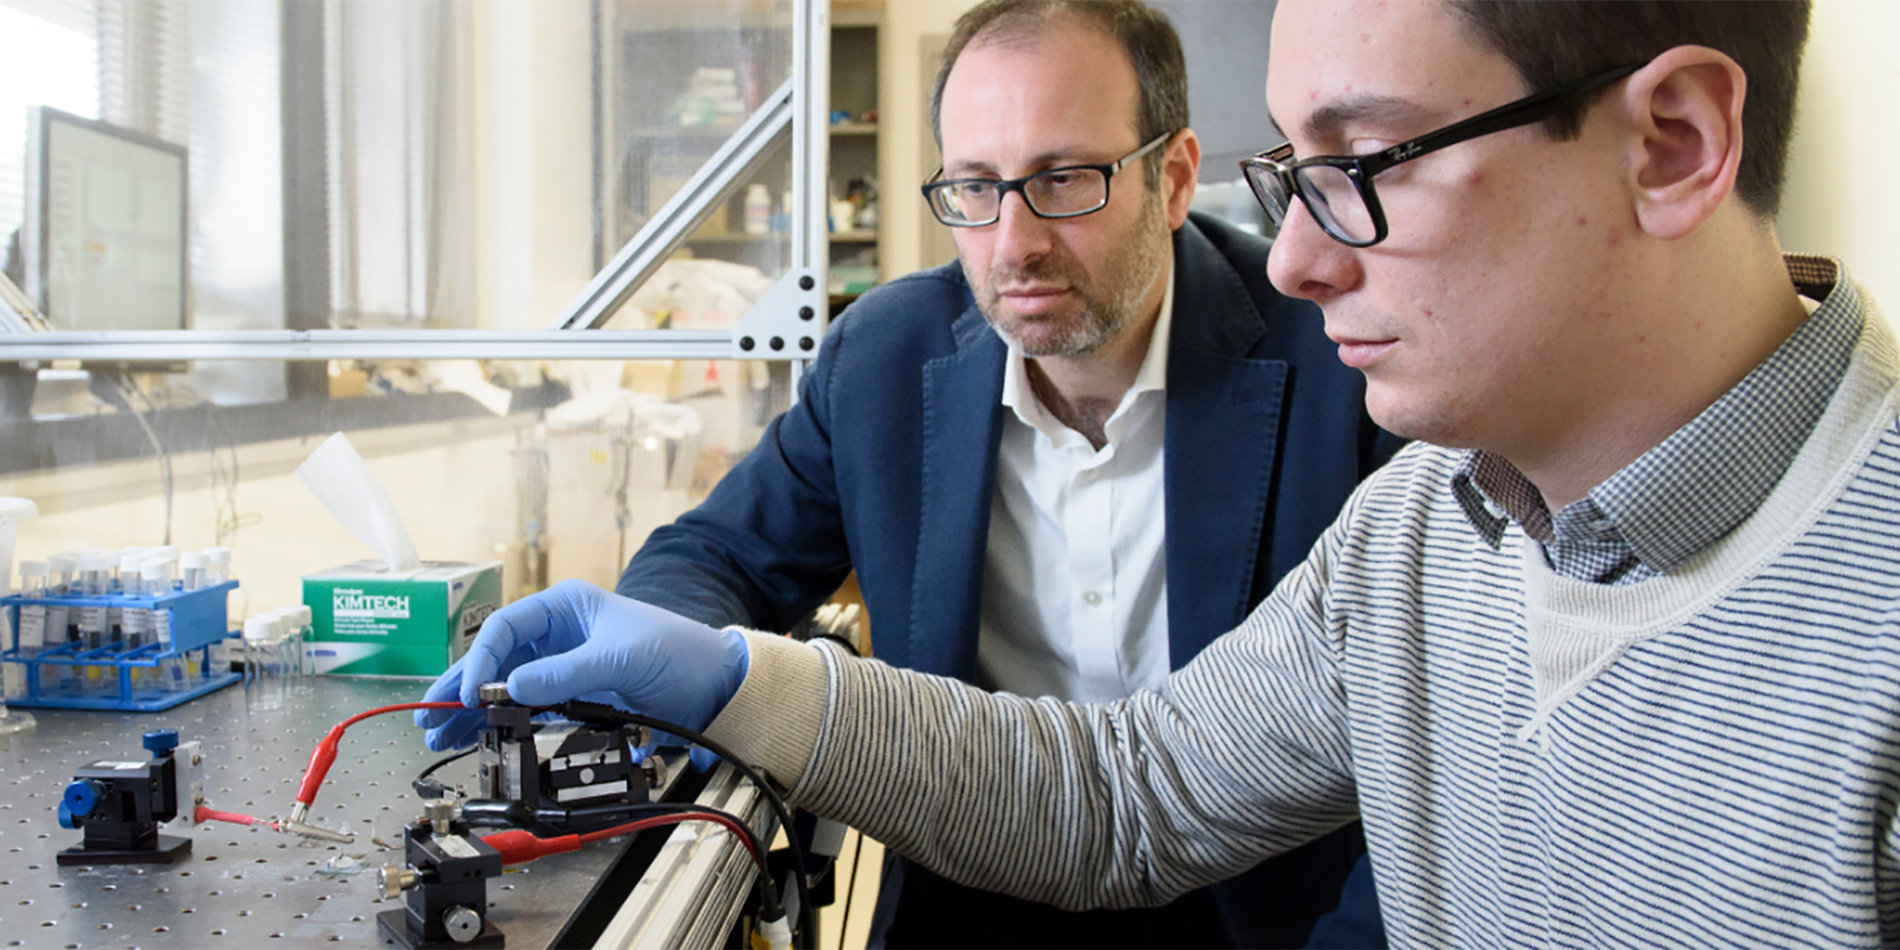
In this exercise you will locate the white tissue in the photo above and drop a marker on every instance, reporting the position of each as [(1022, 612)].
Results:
[(337, 476)]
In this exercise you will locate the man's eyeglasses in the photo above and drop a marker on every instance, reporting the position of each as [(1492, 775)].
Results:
[(1067, 192), (1337, 189)]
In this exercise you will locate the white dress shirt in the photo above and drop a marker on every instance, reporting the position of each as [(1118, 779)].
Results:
[(1075, 598)]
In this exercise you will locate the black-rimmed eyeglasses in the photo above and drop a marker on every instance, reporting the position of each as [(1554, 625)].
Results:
[(1067, 192), (1337, 189)]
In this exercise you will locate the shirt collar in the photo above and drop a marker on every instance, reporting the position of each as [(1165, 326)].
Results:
[(1694, 488), (1020, 396)]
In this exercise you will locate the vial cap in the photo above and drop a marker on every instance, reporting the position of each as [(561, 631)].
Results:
[(93, 562), (261, 627), (32, 568), (128, 563), (303, 616), (152, 570), (191, 559), (218, 555), (60, 563)]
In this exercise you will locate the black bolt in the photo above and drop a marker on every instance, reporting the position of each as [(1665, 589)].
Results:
[(806, 343), (778, 343), (806, 313), (746, 344), (805, 282)]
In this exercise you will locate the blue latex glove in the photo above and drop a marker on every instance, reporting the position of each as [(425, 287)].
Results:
[(576, 641)]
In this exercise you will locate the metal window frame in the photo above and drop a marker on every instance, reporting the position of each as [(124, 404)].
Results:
[(786, 324)]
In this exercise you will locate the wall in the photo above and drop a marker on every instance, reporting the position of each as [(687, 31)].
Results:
[(533, 165), (1843, 195), (904, 126)]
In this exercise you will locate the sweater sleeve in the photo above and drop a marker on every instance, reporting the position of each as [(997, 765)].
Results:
[(1242, 754)]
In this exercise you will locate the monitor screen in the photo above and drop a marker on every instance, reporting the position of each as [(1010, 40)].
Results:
[(104, 241)]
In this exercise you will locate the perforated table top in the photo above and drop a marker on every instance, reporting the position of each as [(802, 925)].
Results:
[(243, 886)]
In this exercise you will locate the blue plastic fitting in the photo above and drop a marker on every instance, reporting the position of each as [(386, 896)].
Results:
[(161, 742), (80, 799)]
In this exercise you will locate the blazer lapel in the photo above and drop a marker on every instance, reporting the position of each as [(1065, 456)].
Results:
[(962, 423), (1223, 427)]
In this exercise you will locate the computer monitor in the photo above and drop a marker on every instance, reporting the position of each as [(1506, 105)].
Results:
[(104, 241)]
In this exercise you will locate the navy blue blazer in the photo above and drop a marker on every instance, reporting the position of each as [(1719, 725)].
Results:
[(887, 464)]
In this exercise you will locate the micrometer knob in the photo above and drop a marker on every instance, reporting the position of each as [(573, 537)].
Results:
[(392, 880), (462, 924)]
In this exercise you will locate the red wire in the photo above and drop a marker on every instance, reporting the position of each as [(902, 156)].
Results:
[(325, 753), (520, 847), (210, 814)]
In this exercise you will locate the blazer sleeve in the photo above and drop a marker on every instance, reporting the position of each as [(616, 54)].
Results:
[(768, 545)]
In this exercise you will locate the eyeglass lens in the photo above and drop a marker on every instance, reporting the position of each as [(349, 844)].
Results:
[(1332, 198), (1054, 193)]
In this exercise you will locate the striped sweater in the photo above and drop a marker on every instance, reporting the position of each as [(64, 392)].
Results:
[(1711, 757)]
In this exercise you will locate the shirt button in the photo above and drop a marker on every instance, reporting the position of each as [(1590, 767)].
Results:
[(1092, 599)]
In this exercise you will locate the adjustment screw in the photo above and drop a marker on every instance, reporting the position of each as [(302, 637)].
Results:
[(493, 693), (392, 880), (462, 924)]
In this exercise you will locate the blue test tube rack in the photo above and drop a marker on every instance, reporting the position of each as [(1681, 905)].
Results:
[(198, 620)]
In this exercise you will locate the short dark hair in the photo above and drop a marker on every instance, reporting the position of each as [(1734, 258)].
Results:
[(1556, 41), (1146, 35)]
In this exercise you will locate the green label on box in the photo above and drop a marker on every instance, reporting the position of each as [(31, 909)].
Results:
[(413, 623)]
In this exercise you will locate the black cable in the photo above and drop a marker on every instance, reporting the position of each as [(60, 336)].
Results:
[(851, 889), (602, 713), (439, 762)]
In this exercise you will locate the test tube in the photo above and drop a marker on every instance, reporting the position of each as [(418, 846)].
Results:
[(174, 673), (92, 617), (32, 634), (60, 618), (191, 570)]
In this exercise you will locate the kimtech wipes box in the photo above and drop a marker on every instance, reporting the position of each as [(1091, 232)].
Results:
[(395, 615), (371, 621)]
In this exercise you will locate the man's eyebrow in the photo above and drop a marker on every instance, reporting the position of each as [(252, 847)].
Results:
[(1050, 159), (1325, 123)]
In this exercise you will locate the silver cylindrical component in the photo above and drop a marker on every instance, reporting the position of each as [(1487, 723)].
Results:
[(462, 924), (493, 692), (392, 880), (439, 812), (655, 771)]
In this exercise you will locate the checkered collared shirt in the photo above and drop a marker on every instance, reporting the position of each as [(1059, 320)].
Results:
[(1688, 492)]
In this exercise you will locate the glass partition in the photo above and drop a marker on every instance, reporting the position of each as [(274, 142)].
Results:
[(555, 469)]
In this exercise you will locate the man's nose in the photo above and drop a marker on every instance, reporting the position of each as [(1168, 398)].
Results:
[(1020, 234), (1306, 262)]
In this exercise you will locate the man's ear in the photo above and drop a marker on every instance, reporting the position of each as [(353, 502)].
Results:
[(1180, 169), (1687, 111)]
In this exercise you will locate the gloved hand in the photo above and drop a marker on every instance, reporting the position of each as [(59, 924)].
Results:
[(576, 641)]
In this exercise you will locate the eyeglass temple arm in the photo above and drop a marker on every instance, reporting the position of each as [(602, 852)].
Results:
[(1534, 108)]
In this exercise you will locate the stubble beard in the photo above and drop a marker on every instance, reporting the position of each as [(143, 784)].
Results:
[(1106, 307)]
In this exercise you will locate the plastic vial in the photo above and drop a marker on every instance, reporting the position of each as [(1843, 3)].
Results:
[(264, 671), (303, 621), (758, 209), (191, 570), (217, 565)]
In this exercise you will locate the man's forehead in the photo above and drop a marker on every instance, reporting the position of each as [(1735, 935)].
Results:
[(1338, 61)]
